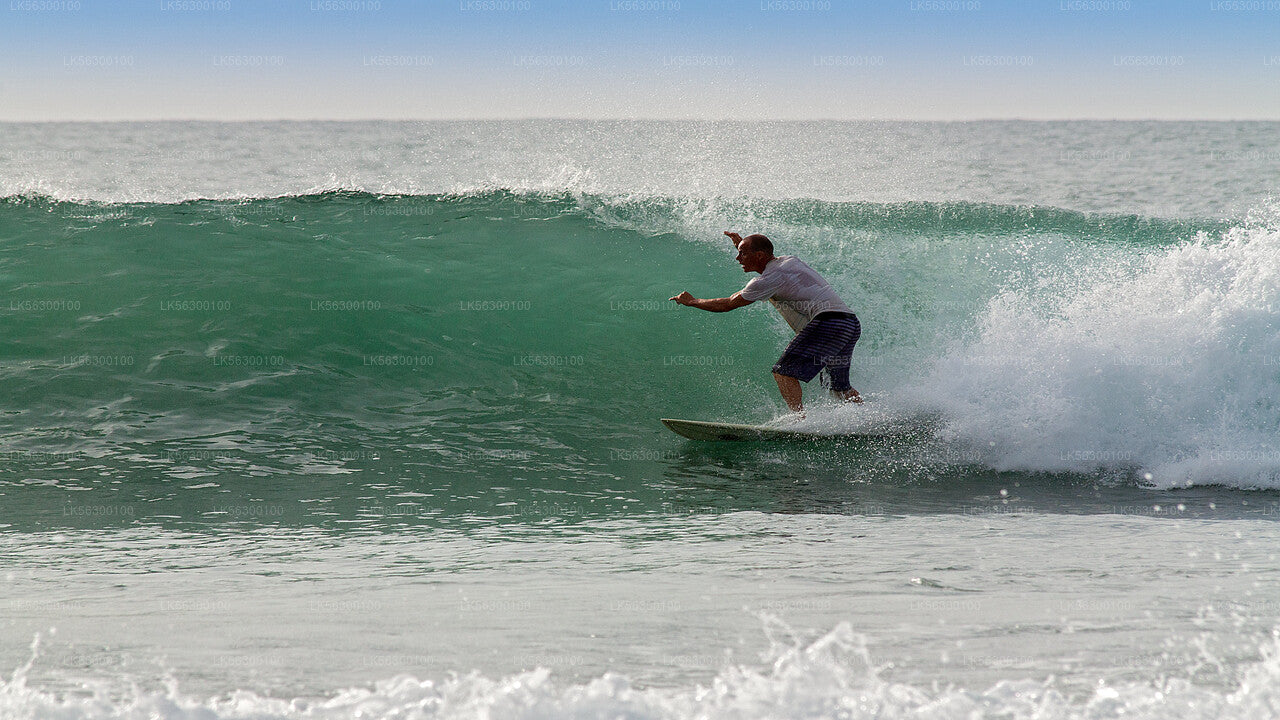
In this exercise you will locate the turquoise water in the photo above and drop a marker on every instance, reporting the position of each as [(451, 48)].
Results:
[(521, 346), (285, 446)]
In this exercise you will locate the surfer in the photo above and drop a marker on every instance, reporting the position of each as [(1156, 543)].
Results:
[(826, 329)]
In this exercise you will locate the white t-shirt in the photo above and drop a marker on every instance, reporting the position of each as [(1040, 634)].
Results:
[(795, 289)]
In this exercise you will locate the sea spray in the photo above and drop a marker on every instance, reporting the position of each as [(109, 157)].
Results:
[(1168, 366)]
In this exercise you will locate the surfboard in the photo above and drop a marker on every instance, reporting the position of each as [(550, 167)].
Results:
[(734, 432)]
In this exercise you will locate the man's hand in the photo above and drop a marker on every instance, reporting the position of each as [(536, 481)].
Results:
[(684, 298), (735, 237)]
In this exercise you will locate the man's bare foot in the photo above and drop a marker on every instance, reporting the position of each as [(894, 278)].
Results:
[(851, 395)]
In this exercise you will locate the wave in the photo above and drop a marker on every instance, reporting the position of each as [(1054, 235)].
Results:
[(1047, 339)]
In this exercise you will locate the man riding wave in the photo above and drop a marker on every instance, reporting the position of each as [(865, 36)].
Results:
[(826, 329)]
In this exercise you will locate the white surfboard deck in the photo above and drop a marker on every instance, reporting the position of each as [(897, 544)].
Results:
[(734, 432)]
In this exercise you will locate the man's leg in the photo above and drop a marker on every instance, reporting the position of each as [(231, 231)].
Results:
[(791, 392), (800, 362), (847, 395), (838, 366), (838, 371)]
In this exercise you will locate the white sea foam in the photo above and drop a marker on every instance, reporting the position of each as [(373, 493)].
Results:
[(1171, 368), (831, 677)]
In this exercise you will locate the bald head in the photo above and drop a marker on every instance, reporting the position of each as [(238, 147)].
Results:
[(756, 243)]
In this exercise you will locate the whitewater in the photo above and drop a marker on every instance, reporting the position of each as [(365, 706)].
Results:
[(361, 419)]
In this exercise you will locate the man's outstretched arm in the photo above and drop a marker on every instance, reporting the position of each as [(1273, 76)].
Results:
[(733, 302)]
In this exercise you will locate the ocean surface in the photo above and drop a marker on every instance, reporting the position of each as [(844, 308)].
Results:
[(360, 420)]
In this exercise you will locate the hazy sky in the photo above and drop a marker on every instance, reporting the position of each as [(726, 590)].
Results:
[(899, 59)]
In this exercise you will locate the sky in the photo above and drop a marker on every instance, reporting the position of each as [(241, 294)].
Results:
[(706, 59)]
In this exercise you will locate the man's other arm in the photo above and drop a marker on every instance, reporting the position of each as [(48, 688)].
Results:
[(733, 302)]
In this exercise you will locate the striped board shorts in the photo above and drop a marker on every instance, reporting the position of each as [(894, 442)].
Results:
[(826, 342)]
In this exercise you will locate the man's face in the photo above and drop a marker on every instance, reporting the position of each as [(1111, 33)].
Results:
[(749, 258)]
